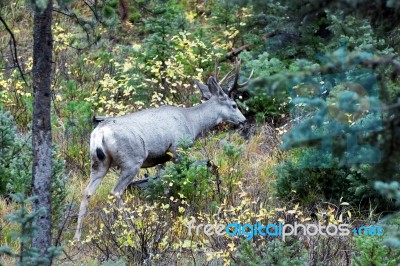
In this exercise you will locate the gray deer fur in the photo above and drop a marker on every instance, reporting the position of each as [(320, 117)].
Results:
[(145, 138)]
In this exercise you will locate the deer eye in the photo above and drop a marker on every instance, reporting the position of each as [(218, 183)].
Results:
[(234, 106)]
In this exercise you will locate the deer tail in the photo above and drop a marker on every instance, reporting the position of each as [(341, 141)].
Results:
[(96, 145)]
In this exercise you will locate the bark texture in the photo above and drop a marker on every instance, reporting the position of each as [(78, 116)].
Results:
[(41, 127)]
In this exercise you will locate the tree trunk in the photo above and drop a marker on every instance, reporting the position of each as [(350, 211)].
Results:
[(41, 127)]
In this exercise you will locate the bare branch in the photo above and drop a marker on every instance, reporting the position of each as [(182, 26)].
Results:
[(15, 54), (78, 20)]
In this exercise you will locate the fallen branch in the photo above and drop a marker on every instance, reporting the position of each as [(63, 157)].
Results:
[(234, 53), (143, 183)]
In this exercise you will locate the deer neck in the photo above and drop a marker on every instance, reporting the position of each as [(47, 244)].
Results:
[(203, 117)]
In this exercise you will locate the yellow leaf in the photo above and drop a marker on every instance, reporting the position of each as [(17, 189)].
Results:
[(187, 244), (190, 16), (231, 246), (127, 66)]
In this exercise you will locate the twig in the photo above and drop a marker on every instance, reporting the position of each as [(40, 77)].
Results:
[(93, 9), (8, 68), (73, 15), (61, 229), (66, 255), (15, 54)]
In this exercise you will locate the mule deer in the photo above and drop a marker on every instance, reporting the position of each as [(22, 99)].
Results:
[(147, 138)]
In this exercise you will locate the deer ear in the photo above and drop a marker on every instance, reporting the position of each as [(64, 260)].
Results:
[(205, 91), (215, 88)]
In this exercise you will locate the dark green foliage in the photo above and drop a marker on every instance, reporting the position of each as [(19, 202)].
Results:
[(362, 184), (370, 251), (168, 21), (296, 180), (27, 254), (268, 97), (354, 159), (134, 15), (391, 225), (188, 179), (109, 12), (331, 43), (37, 5), (223, 15), (65, 4), (364, 157), (389, 190), (16, 165), (114, 263), (77, 114), (232, 153), (271, 253)]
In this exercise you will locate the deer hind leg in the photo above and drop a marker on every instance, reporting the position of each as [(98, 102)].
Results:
[(125, 178), (97, 173)]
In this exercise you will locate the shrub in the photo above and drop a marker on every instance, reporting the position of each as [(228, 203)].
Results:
[(27, 255), (297, 181), (14, 157), (16, 164), (370, 251), (232, 157), (187, 181), (140, 233), (268, 97), (275, 252)]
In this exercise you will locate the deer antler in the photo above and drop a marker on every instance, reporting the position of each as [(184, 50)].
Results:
[(216, 69), (225, 77), (237, 74), (247, 82), (234, 86), (230, 79), (216, 73)]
